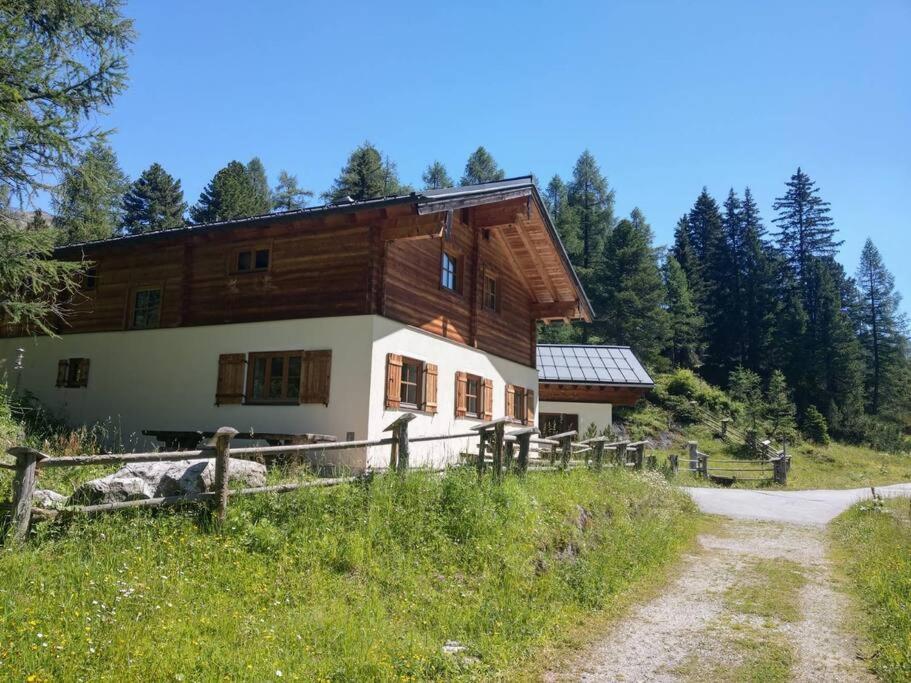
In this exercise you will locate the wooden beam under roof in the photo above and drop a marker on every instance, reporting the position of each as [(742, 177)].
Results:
[(493, 215), (465, 201), (557, 310), (518, 229), (413, 227)]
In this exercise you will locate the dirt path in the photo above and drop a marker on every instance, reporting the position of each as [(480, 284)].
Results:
[(756, 602)]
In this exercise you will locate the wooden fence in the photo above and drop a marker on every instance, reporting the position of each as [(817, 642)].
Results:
[(726, 431), (730, 471), (498, 450)]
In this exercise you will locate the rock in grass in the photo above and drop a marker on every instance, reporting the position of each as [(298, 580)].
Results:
[(139, 481), (45, 498)]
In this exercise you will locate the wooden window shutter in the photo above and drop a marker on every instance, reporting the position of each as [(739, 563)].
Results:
[(430, 388), (529, 406), (316, 377), (63, 369), (461, 394), (230, 378), (393, 380), (510, 401), (488, 399), (82, 373)]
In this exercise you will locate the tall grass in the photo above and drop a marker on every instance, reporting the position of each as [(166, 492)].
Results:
[(358, 582), (873, 547)]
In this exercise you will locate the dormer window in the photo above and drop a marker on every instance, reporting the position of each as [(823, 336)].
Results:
[(449, 276)]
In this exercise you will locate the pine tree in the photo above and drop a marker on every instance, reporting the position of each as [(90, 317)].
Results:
[(556, 198), (260, 184), (153, 202), (88, 203), (630, 291), (805, 229), (685, 255), (230, 194), (683, 320), (881, 326), (288, 195), (745, 386), (366, 175), (779, 408), (435, 177), (593, 203), (481, 168), (758, 288), (705, 226)]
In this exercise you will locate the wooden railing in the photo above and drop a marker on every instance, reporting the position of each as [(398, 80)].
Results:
[(773, 470), (508, 452), (725, 430)]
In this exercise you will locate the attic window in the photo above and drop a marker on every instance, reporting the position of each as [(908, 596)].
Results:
[(491, 293), (252, 260), (146, 309), (449, 276)]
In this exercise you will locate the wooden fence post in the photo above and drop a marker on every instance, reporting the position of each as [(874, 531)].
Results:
[(691, 447), (523, 437), (222, 441), (598, 446), (566, 451), (640, 455), (703, 465), (674, 463), (498, 436), (400, 449), (482, 443), (725, 421), (780, 470), (553, 454), (27, 460), (510, 456)]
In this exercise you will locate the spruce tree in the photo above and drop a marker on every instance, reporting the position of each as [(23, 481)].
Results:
[(288, 195), (685, 255), (683, 320), (630, 291), (745, 386), (805, 229), (230, 194), (366, 175), (882, 333), (153, 202), (260, 183), (88, 203), (759, 288), (556, 198), (435, 177), (481, 168), (593, 203), (779, 408)]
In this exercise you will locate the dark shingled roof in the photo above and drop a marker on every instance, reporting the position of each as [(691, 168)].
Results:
[(590, 364)]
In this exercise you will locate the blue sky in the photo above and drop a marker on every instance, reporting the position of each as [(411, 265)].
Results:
[(668, 96)]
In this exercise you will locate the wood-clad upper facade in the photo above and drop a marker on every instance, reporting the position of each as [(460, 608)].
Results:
[(476, 265)]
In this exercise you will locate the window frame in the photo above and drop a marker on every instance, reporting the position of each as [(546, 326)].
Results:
[(418, 383), (479, 397), (566, 422), (133, 308), (268, 356), (455, 259), (251, 249), (518, 403), (90, 279), (486, 294), (74, 377)]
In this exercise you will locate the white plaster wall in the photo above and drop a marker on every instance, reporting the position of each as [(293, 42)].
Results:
[(450, 357), (166, 378), (599, 414)]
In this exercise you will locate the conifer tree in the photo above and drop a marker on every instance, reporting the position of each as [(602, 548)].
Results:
[(153, 202), (435, 177), (230, 194), (481, 168), (779, 408), (556, 198), (366, 175), (745, 386), (593, 204), (88, 203), (882, 333), (805, 228), (759, 286), (288, 195), (630, 291), (685, 255), (260, 184), (683, 320)]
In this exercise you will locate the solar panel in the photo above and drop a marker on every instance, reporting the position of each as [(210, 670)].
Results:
[(590, 363)]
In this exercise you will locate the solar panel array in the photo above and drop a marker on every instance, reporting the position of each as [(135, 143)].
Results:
[(593, 364)]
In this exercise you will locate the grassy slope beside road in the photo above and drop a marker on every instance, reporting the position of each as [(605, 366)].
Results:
[(873, 548), (358, 582)]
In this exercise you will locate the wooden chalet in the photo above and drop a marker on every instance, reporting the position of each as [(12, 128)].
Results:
[(331, 320)]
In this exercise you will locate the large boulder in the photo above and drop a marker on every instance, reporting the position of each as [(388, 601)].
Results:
[(45, 498), (144, 480)]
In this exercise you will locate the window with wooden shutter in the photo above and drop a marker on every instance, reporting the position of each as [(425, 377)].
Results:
[(430, 388), (461, 394), (393, 380), (529, 406), (488, 399), (230, 387), (316, 377), (510, 401), (63, 369)]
